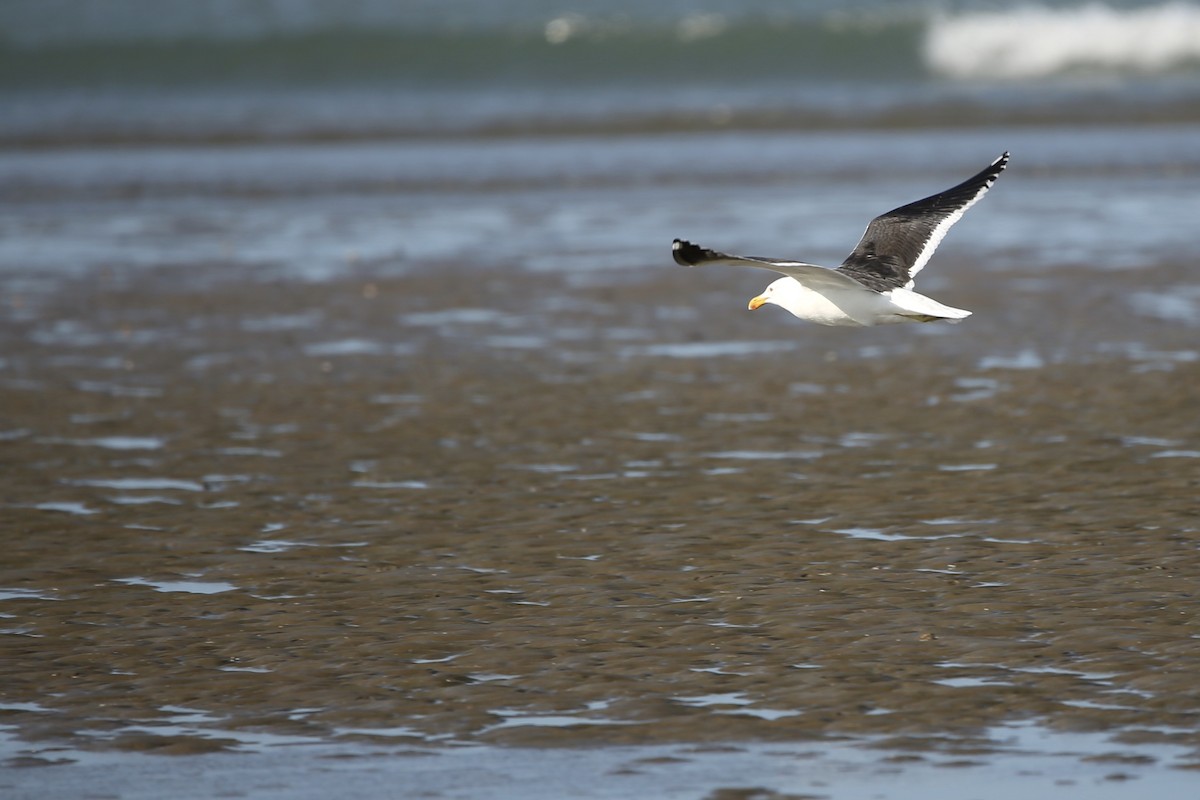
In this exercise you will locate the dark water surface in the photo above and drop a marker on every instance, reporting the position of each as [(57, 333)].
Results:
[(493, 506), (205, 70)]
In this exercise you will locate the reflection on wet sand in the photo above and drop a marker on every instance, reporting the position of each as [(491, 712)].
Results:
[(388, 520)]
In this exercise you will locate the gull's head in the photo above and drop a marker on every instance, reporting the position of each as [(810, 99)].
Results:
[(779, 292)]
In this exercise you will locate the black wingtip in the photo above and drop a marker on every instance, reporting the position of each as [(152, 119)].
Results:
[(685, 253), (998, 166), (992, 171)]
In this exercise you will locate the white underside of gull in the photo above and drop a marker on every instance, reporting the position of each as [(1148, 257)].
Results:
[(855, 307)]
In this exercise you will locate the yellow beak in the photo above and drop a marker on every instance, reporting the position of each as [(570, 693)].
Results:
[(755, 302)]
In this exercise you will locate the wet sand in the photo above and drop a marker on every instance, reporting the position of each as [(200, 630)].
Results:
[(484, 506)]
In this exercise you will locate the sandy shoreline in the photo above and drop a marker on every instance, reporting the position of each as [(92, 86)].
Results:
[(393, 502)]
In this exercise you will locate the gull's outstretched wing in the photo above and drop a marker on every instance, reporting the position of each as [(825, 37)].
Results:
[(898, 244), (811, 275)]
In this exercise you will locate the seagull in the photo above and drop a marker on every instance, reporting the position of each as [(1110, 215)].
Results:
[(873, 286)]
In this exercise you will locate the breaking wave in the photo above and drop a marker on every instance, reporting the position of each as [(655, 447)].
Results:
[(1037, 42)]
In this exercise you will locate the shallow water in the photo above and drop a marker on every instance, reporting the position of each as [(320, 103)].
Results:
[(1029, 761), (316, 461)]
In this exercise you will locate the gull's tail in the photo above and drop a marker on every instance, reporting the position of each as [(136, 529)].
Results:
[(925, 309)]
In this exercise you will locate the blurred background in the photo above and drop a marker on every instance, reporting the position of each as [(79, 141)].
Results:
[(430, 123), (137, 70), (419, 104)]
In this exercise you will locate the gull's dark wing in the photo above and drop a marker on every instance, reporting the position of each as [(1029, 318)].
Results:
[(898, 244), (811, 275)]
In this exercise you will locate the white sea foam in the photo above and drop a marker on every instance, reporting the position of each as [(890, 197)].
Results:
[(1033, 41)]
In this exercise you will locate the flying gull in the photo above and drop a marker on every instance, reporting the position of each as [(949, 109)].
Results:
[(873, 286)]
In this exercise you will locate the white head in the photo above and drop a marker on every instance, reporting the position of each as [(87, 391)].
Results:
[(790, 295), (785, 292)]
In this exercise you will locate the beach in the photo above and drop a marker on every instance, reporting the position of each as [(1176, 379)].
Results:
[(402, 460)]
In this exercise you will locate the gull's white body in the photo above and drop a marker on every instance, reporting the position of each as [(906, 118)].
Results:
[(855, 307)]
